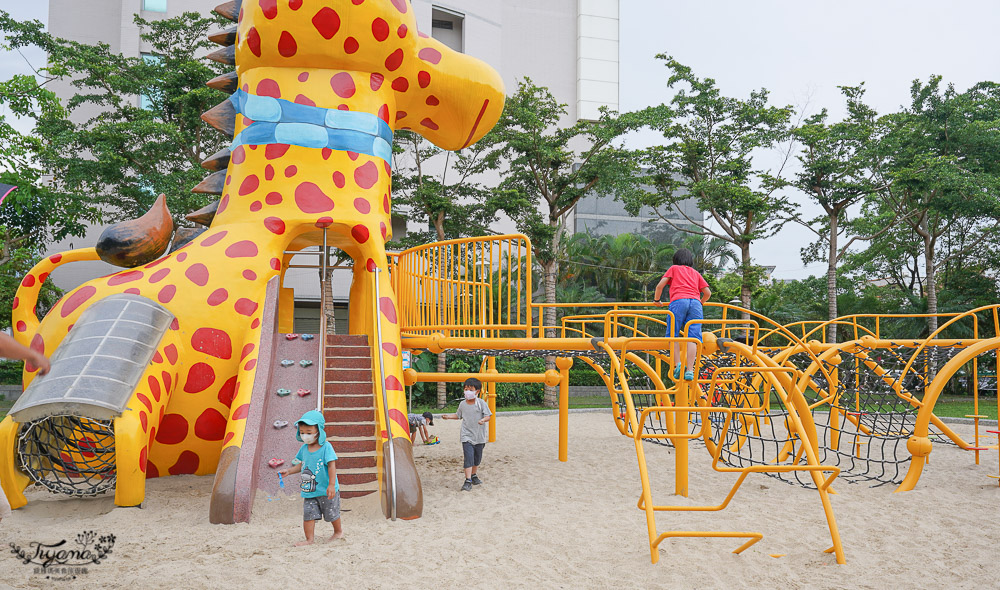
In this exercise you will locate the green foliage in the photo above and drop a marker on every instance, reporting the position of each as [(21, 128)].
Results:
[(11, 372)]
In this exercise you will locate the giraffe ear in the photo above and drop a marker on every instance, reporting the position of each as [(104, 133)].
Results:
[(453, 99)]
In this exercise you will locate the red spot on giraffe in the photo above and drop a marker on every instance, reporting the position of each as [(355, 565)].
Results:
[(170, 350), (151, 470), (55, 258), (200, 377), (327, 152), (249, 275), (382, 228), (186, 463), (343, 84), (241, 412), (209, 241), (213, 342), (166, 294), (275, 264), (375, 81), (218, 297), (400, 6), (269, 172), (370, 265), (42, 277), (142, 453), (173, 429), (183, 255), (273, 199), (245, 307), (238, 155), (383, 113), (400, 115), (302, 99), (21, 326), (274, 151), (339, 179), (253, 41), (295, 4), (223, 203), (144, 420), (197, 274), (242, 249), (394, 60), (290, 171), (125, 277), (256, 206), (28, 281), (227, 392), (366, 175), (359, 233), (357, 2), (286, 44), (275, 225), (303, 76), (76, 300), (145, 401), (324, 222), (385, 202), (432, 101), (250, 365), (350, 45), (211, 425), (269, 7), (393, 384), (166, 380), (390, 348), (229, 437), (255, 324), (401, 84), (423, 79), (327, 22), (154, 387), (249, 184), (429, 54), (388, 309), (311, 199), (159, 275), (362, 205), (157, 357), (17, 301), (401, 31), (268, 87), (246, 350), (380, 29), (429, 124)]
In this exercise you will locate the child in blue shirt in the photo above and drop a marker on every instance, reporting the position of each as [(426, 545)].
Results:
[(318, 465)]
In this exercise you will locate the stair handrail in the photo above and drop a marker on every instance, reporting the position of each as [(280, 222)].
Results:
[(324, 276), (385, 400)]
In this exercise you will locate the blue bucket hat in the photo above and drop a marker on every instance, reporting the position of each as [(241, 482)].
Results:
[(312, 418)]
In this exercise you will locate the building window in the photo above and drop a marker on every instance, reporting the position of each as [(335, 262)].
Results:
[(447, 27), (154, 5), (145, 102)]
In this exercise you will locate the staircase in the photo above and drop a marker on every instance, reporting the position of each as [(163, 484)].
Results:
[(349, 410)]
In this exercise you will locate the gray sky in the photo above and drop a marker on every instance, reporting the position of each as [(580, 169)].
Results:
[(799, 50)]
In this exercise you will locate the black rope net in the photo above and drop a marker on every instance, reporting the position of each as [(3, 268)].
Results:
[(69, 454)]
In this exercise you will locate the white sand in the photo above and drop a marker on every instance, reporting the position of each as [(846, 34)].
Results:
[(536, 522)]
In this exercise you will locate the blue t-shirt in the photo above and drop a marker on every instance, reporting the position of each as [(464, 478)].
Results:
[(315, 475)]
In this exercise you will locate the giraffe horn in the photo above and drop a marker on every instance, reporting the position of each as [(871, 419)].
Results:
[(230, 10), (224, 37), (224, 55), (217, 161), (184, 235), (212, 185), (227, 82), (222, 116), (137, 241), (205, 215)]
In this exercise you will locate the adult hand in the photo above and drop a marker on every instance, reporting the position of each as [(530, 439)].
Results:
[(39, 361)]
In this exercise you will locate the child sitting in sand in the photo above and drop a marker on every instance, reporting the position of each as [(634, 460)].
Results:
[(318, 465), (419, 423), (474, 413)]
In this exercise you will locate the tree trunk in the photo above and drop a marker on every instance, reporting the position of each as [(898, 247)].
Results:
[(930, 280), (551, 268), (746, 288), (442, 367), (831, 281)]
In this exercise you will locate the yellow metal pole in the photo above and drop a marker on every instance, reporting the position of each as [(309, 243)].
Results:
[(681, 444), (563, 363), (491, 397)]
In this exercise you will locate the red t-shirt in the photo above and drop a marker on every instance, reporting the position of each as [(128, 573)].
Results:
[(684, 282)]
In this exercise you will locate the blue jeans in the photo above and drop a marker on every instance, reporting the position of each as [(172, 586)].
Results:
[(686, 310)]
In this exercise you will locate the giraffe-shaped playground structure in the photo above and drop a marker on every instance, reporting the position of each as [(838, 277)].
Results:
[(320, 86)]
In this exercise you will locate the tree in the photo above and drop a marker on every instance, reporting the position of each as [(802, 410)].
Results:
[(708, 155), (553, 166), (938, 165), (121, 158), (447, 197), (835, 175)]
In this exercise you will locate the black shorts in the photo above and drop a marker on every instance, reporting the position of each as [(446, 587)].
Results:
[(473, 454)]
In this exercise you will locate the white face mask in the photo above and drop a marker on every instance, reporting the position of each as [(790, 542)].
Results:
[(309, 438), (470, 394)]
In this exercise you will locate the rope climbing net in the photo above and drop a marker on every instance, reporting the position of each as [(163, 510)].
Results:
[(69, 454)]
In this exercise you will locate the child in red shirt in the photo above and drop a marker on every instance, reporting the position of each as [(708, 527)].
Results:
[(688, 291)]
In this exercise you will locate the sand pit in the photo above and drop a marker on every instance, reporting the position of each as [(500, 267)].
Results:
[(536, 522)]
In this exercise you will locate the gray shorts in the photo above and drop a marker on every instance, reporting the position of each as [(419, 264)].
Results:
[(328, 509)]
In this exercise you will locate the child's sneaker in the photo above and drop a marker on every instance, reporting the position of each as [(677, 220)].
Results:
[(689, 375), (475, 480), (677, 373), (467, 486)]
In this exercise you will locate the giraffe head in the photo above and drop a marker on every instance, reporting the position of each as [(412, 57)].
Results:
[(448, 97)]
